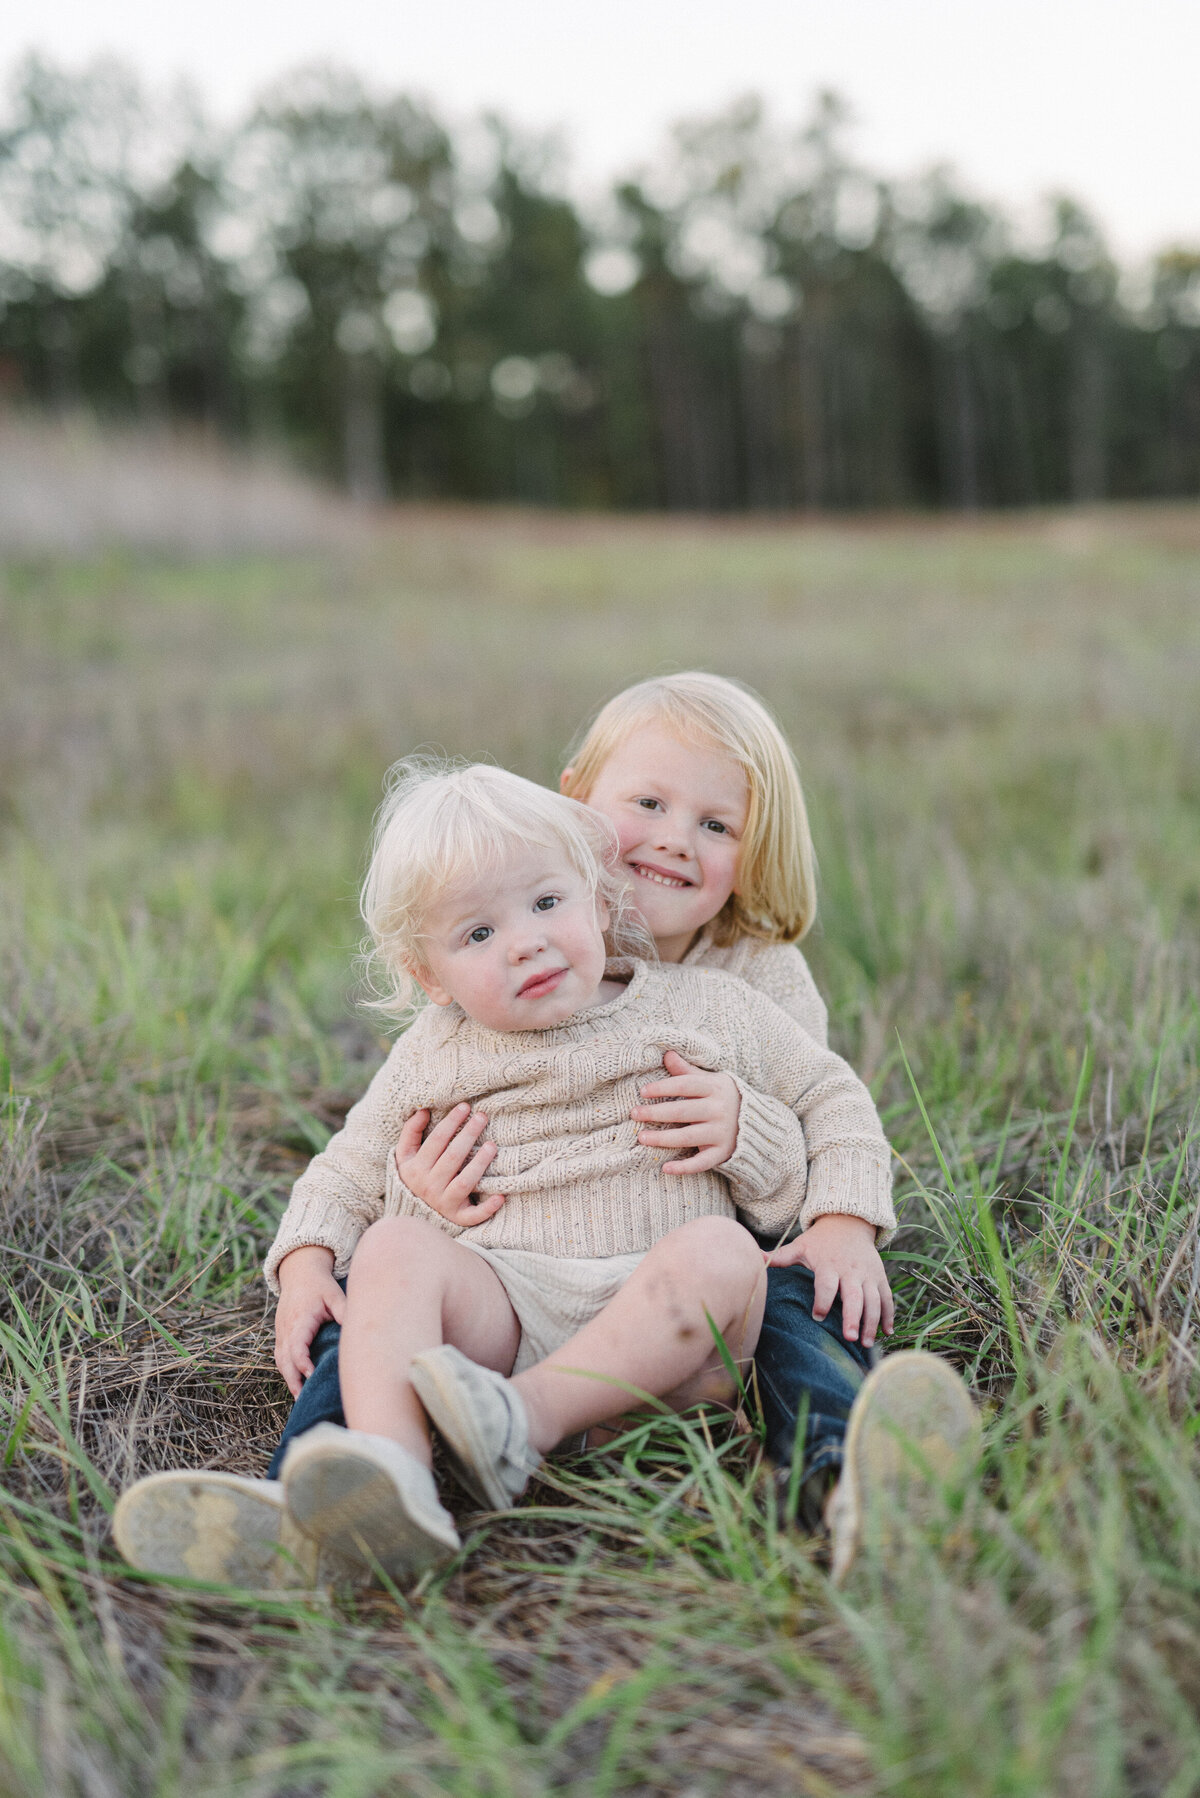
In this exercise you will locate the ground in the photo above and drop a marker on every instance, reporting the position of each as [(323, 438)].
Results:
[(997, 725)]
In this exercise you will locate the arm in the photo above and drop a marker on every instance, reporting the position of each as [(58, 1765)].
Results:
[(720, 1122), (838, 1248), (845, 1209), (725, 1122), (783, 975), (308, 1296), (341, 1190), (848, 1170)]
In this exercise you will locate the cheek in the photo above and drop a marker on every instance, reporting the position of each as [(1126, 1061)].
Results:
[(721, 863), (630, 825)]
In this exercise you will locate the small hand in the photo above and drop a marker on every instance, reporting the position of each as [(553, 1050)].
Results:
[(701, 1106), (444, 1169), (308, 1297), (841, 1252)]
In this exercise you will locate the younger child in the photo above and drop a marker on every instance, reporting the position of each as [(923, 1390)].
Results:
[(592, 1276)]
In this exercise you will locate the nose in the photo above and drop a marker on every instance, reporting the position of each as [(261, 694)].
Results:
[(525, 943), (670, 837)]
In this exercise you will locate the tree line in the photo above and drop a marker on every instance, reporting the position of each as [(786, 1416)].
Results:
[(757, 321)]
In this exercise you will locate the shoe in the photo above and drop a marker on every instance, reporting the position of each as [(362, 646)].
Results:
[(913, 1430), (217, 1527), (365, 1499), (482, 1423)]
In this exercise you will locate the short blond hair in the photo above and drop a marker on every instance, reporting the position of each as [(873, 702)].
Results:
[(443, 824), (776, 875)]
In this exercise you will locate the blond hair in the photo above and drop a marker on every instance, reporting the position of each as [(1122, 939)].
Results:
[(776, 875), (444, 824)]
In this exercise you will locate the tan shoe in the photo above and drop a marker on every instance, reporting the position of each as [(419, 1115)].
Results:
[(913, 1431), (481, 1421), (221, 1528), (365, 1499)]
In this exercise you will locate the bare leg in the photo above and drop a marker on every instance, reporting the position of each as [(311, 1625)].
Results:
[(412, 1288), (654, 1335)]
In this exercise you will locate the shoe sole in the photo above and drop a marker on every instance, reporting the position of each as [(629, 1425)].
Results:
[(913, 1428), (456, 1425), (356, 1512), (218, 1528)]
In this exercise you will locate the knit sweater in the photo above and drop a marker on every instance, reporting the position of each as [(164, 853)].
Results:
[(777, 969), (558, 1102)]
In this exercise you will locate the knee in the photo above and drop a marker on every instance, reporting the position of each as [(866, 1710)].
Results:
[(721, 1245), (393, 1245)]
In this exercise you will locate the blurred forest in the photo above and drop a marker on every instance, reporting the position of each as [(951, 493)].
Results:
[(755, 322)]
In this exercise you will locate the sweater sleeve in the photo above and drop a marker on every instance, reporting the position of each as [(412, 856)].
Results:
[(770, 1141), (838, 1160), (341, 1190), (780, 971)]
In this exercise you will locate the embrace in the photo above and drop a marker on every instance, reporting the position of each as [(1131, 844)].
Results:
[(610, 1158)]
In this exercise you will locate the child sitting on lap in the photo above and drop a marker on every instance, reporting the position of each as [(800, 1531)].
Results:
[(591, 1276)]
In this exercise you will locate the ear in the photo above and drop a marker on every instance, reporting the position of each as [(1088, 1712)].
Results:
[(603, 913), (565, 779), (428, 985)]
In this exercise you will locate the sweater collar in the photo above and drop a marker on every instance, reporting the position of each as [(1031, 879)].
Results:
[(451, 1019)]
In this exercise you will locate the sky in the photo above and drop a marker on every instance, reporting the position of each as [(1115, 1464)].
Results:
[(1096, 98)]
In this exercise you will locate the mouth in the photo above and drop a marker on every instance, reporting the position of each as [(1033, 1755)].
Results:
[(538, 985), (659, 876)]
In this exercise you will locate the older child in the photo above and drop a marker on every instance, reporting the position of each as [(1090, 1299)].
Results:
[(592, 1275), (703, 791)]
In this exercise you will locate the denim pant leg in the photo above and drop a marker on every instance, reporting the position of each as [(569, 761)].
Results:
[(320, 1398), (800, 1362)]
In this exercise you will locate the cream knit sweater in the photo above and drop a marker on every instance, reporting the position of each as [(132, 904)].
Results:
[(777, 969), (579, 1183)]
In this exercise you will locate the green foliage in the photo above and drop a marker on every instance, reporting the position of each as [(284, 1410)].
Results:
[(421, 316)]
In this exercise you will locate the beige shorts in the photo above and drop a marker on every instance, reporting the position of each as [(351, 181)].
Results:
[(553, 1297)]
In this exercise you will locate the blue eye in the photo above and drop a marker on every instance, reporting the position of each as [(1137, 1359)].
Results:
[(547, 902), (480, 934)]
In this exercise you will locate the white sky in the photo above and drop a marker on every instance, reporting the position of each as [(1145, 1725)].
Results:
[(1095, 97)]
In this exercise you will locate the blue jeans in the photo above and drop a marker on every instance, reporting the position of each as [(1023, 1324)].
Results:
[(800, 1366), (807, 1368), (320, 1398)]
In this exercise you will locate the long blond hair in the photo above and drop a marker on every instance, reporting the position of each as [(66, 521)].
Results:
[(776, 877)]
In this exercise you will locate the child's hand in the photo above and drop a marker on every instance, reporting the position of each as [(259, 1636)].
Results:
[(702, 1107), (841, 1252), (444, 1169), (308, 1297)]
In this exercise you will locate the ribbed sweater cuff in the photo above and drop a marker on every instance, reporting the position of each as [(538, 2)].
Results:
[(770, 1148), (851, 1183), (405, 1203), (320, 1226)]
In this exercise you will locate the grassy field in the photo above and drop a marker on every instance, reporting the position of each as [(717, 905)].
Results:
[(998, 727)]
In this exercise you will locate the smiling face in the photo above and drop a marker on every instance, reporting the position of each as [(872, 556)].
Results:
[(679, 810), (522, 949)]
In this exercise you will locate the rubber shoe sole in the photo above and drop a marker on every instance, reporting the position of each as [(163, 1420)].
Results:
[(219, 1528), (366, 1500), (913, 1431)]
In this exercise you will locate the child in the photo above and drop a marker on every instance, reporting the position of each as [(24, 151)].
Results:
[(703, 791), (591, 1275)]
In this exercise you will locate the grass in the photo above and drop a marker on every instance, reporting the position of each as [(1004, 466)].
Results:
[(996, 723)]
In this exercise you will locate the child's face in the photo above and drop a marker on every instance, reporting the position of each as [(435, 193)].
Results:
[(521, 950), (679, 810)]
